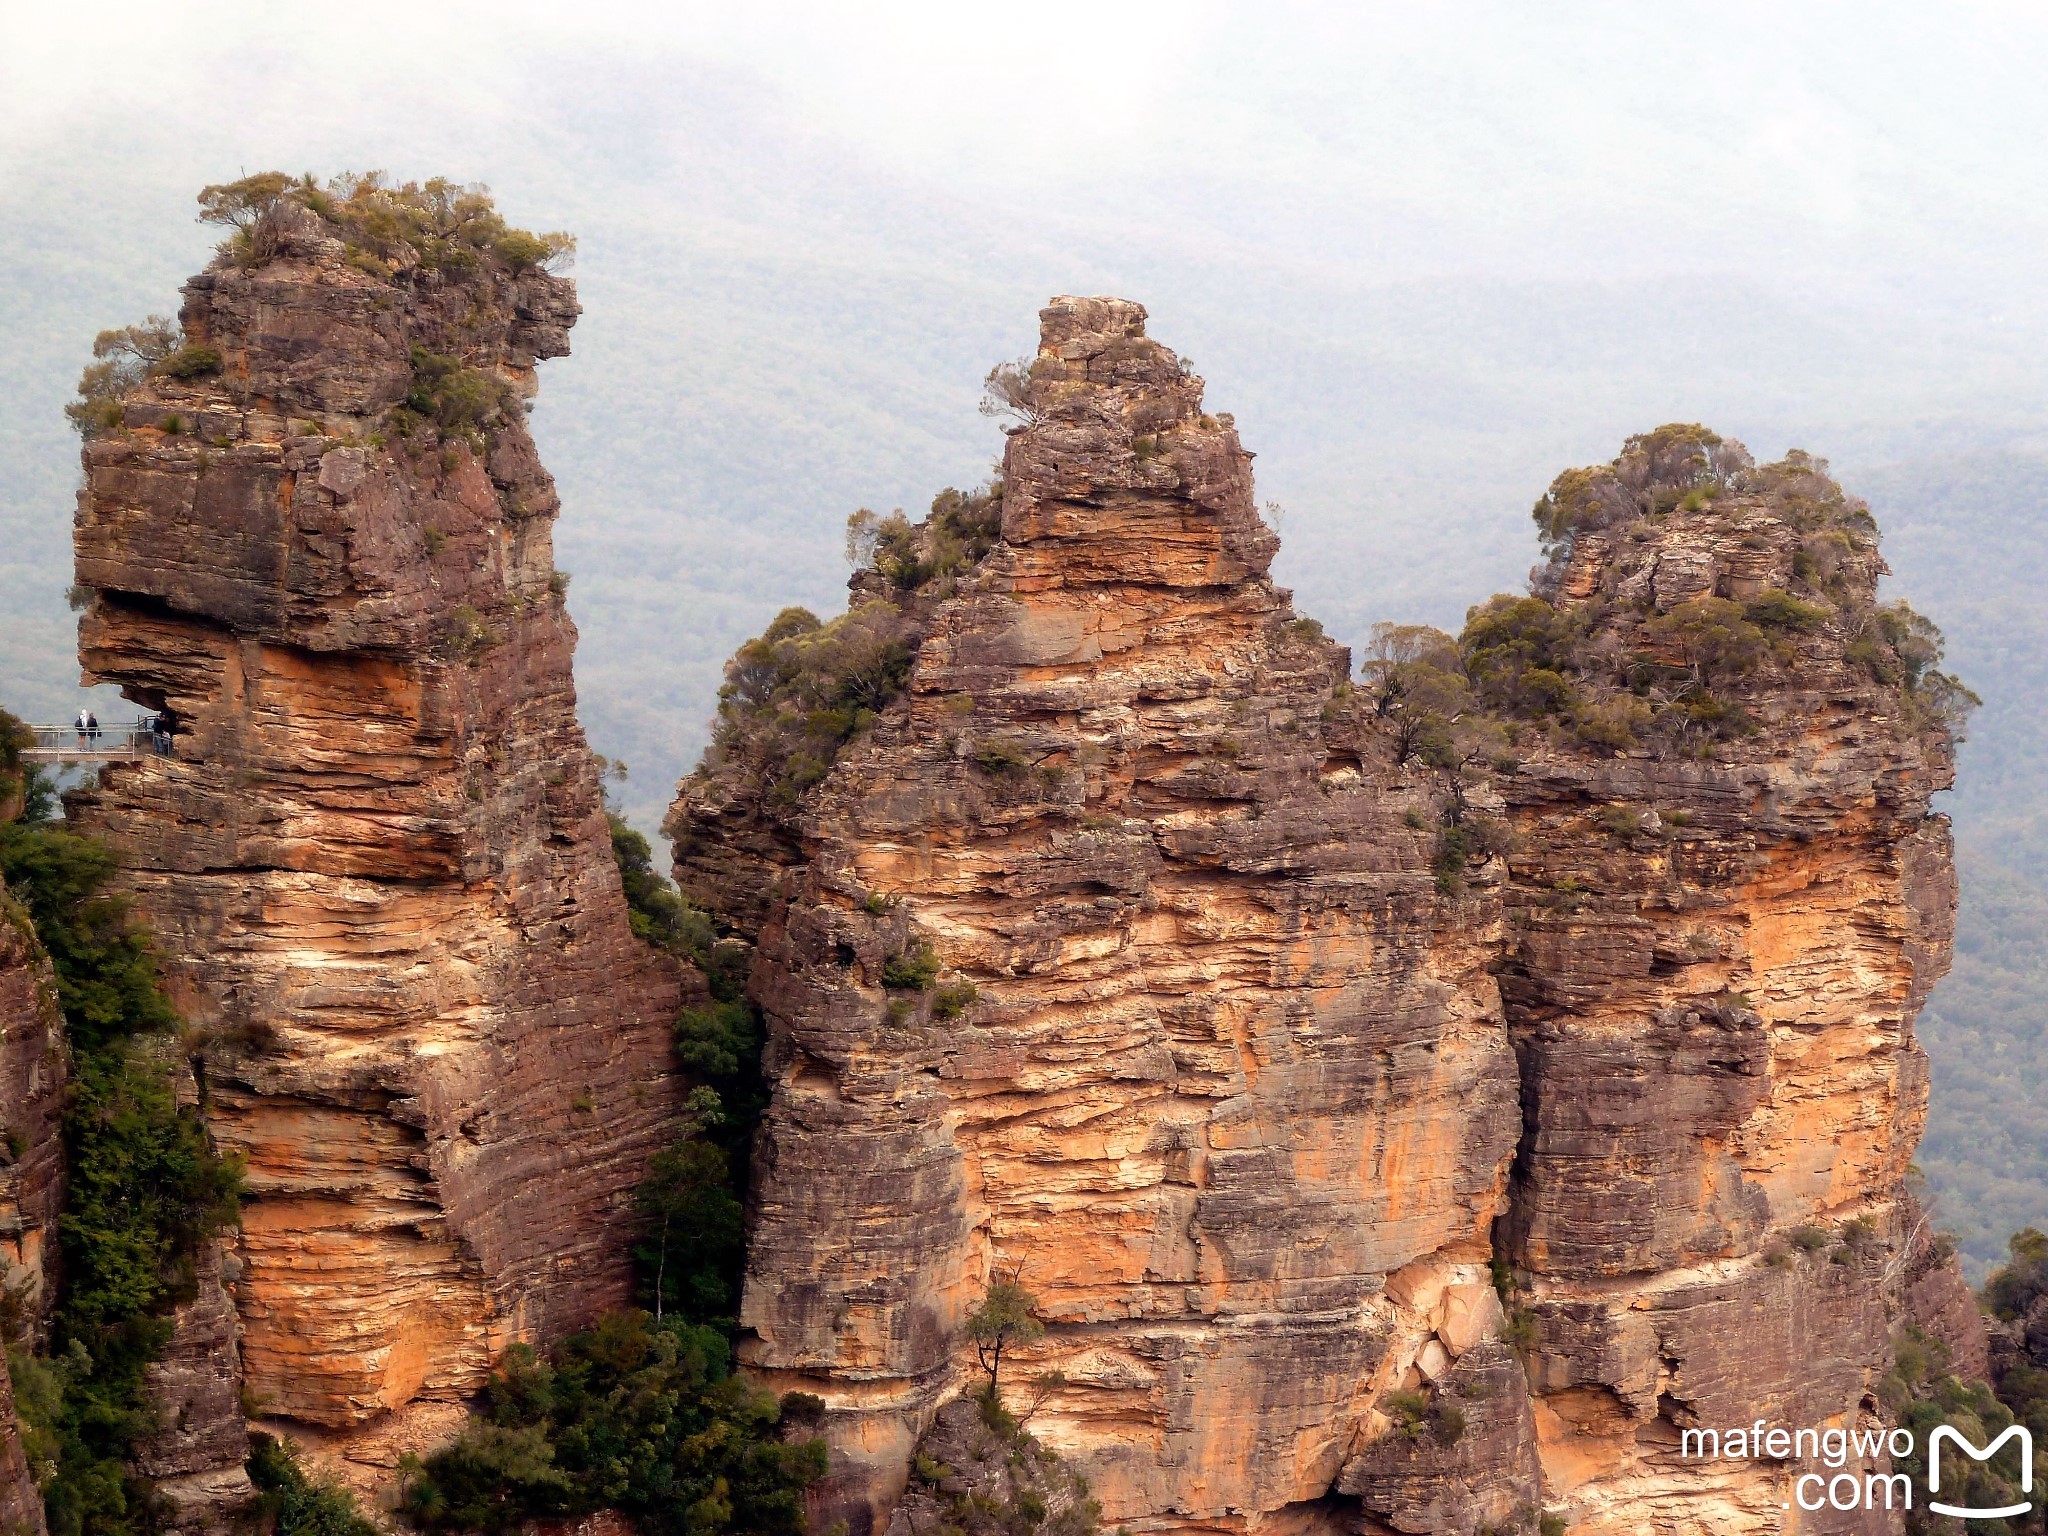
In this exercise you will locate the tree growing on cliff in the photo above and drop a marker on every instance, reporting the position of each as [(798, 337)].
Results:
[(634, 1415), (1006, 392), (1004, 1320), (692, 1232)]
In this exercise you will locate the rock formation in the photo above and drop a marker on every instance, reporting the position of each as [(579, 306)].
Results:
[(1716, 954), (316, 539), (1399, 1131), (32, 1078)]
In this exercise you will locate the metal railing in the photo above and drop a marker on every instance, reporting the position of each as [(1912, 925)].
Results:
[(123, 743)]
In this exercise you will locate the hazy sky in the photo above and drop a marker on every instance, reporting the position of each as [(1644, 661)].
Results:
[(1428, 255)]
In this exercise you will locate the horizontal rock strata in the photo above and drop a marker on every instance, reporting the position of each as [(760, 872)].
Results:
[(376, 862), (1371, 1174)]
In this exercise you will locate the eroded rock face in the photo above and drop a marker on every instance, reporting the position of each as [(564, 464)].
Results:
[(1234, 1098), (33, 1071), (1714, 962), (377, 864), (1259, 1093)]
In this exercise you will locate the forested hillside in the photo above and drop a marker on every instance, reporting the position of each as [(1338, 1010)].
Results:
[(1964, 535)]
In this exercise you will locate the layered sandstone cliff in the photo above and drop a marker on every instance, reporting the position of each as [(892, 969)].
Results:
[(1718, 944), (376, 864), (1130, 950), (32, 1081)]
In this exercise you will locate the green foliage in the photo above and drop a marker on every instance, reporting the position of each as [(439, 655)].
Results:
[(912, 970), (1709, 637), (634, 1415), (692, 1240), (1004, 756), (1773, 609), (123, 359), (1809, 1238), (1520, 1331), (657, 912), (1416, 1414), (293, 1503), (1904, 649), (1416, 681), (1922, 1393), (1517, 651), (796, 695), (1004, 1318), (1680, 464), (145, 1187), (2015, 1285), (953, 999), (191, 361), (438, 224), (962, 528), (460, 402), (469, 633)]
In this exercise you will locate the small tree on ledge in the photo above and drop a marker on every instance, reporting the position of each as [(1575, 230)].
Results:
[(1003, 1319)]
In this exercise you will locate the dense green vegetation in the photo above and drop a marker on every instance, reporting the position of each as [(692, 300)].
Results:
[(644, 1413), (460, 402), (145, 1185), (637, 1415), (291, 1502), (797, 693), (1922, 1391), (123, 358), (1612, 677)]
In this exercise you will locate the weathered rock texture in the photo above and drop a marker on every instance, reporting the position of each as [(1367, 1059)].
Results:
[(377, 865), (33, 1072), (1236, 1098), (1238, 1094), (32, 1077), (1714, 964)]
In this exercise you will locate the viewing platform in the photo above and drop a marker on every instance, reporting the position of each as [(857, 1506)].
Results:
[(124, 743)]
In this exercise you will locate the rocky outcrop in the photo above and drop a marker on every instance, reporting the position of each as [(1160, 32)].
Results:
[(21, 1503), (1234, 1097), (1717, 948), (33, 1072), (32, 1078), (1274, 1040), (376, 862)]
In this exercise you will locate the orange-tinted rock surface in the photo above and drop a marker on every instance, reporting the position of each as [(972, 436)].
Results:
[(1235, 1097), (376, 862), (1258, 1091), (1716, 951), (32, 1077)]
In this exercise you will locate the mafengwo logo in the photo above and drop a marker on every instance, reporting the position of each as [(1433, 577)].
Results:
[(1946, 1435), (1859, 1480)]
